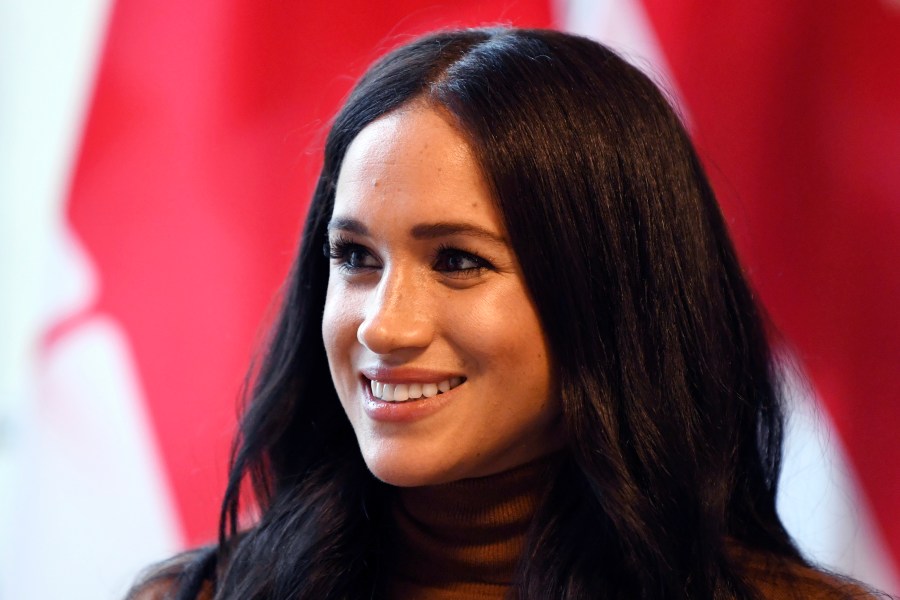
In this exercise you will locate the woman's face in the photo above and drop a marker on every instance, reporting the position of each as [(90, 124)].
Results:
[(434, 345)]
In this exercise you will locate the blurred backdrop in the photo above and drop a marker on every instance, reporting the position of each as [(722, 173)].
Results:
[(156, 158)]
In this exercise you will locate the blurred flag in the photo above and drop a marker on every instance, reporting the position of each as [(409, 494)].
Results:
[(198, 155), (795, 108)]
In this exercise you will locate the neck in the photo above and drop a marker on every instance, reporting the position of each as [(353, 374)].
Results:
[(464, 539)]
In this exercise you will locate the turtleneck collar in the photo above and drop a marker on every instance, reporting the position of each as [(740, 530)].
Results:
[(464, 539)]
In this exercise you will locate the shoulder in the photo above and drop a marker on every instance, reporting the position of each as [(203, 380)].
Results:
[(181, 577), (777, 578), (806, 582)]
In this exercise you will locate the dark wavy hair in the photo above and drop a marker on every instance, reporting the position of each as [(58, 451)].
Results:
[(670, 399)]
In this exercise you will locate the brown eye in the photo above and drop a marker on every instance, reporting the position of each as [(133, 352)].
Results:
[(458, 263), (350, 256)]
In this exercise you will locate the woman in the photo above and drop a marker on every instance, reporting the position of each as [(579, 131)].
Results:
[(530, 365)]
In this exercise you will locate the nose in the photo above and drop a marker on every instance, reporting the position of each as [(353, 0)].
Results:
[(397, 317)]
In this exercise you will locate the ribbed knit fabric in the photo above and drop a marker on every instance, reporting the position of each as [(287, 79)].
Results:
[(464, 539)]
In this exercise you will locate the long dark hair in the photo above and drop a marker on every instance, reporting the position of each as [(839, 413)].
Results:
[(670, 398)]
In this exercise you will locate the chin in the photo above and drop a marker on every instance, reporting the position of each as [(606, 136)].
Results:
[(409, 472)]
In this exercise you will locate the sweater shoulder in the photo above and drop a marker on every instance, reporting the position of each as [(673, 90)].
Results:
[(173, 579), (786, 579)]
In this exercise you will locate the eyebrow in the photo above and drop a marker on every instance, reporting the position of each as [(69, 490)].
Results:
[(424, 231)]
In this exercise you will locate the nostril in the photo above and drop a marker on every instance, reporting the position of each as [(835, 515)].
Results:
[(384, 335)]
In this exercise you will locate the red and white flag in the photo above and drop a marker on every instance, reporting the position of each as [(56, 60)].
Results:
[(182, 185)]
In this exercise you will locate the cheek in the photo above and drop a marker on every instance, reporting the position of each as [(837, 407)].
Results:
[(339, 325), (504, 335)]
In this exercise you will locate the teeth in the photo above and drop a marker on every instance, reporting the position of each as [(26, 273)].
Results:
[(400, 392)]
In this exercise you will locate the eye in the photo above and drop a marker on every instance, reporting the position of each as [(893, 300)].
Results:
[(350, 256), (459, 263)]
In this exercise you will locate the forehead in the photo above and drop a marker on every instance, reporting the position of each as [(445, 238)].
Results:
[(413, 163)]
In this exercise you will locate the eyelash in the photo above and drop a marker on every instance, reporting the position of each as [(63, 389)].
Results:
[(342, 249), (445, 251)]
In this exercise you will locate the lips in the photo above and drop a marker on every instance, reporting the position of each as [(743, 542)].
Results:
[(402, 392)]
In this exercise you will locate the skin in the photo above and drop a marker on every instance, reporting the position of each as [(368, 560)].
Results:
[(411, 299)]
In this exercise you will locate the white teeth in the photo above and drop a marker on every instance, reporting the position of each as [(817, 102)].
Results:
[(387, 392), (400, 392)]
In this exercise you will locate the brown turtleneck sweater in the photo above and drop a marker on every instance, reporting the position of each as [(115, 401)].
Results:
[(464, 539)]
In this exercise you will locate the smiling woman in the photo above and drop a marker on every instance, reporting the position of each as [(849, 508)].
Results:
[(438, 383), (529, 365)]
